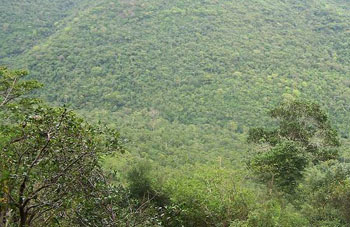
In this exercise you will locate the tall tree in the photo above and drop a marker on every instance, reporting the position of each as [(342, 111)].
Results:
[(49, 160), (304, 134)]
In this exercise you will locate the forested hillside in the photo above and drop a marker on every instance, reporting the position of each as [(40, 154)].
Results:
[(184, 81), (26, 23), (207, 68)]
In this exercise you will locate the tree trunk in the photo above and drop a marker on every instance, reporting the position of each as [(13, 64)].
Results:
[(23, 217)]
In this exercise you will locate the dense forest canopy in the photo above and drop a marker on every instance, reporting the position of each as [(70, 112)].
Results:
[(204, 67), (187, 83)]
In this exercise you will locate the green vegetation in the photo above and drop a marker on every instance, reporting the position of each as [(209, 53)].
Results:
[(209, 98), (304, 135), (49, 157), (51, 173), (25, 23), (184, 79)]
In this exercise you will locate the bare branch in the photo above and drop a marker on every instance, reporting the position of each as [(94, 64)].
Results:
[(8, 92)]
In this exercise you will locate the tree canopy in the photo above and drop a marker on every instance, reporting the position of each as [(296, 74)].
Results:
[(304, 134), (50, 157)]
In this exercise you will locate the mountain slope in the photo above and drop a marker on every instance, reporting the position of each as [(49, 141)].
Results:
[(26, 23), (185, 79)]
